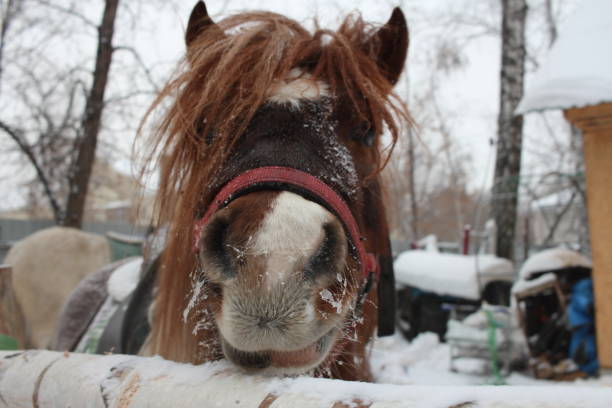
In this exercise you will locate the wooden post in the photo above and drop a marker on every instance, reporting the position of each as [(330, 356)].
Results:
[(595, 122), (12, 322), (467, 232)]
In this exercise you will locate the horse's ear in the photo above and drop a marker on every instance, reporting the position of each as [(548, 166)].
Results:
[(199, 21), (390, 45)]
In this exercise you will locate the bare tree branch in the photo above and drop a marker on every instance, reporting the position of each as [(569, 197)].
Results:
[(8, 14), (551, 22), (27, 151), (68, 11), (142, 65)]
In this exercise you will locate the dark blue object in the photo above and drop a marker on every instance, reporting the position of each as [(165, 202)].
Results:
[(581, 316)]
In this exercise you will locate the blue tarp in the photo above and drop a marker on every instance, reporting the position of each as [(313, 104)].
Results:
[(583, 346)]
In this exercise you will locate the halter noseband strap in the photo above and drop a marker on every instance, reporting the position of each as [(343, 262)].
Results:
[(303, 181)]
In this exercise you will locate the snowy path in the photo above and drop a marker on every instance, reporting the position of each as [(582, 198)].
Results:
[(426, 361)]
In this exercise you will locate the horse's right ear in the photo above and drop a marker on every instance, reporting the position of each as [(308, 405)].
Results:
[(199, 21)]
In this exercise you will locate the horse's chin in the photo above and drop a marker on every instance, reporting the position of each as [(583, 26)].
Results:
[(282, 362)]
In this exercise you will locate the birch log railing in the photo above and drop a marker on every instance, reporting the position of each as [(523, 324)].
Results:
[(55, 379)]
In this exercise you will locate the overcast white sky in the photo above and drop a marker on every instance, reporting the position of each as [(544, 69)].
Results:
[(468, 96)]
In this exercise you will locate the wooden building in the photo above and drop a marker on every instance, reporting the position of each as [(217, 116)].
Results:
[(577, 78)]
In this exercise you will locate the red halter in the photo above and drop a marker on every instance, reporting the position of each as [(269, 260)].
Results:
[(286, 175)]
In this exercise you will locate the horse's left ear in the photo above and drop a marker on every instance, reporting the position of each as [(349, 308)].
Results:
[(199, 21), (390, 45)]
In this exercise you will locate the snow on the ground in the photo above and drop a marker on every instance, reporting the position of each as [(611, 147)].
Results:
[(450, 274), (578, 69), (426, 361)]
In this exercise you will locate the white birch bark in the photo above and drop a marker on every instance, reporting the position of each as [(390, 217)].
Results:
[(54, 379), (504, 199)]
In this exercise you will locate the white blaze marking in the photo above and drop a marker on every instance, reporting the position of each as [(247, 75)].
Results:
[(297, 86), (291, 230)]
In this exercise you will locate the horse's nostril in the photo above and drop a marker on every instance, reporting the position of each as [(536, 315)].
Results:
[(263, 323)]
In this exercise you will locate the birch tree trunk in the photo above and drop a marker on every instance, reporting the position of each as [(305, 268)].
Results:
[(53, 379), (81, 169), (510, 127)]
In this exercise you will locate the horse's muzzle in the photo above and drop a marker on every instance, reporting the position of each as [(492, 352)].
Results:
[(281, 362)]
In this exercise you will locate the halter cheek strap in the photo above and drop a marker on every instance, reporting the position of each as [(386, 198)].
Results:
[(303, 181)]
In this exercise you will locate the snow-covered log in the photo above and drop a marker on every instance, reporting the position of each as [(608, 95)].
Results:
[(53, 379)]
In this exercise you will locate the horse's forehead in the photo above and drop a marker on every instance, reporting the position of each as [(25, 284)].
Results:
[(296, 87), (311, 137)]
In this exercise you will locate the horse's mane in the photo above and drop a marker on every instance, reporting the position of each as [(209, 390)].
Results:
[(223, 80)]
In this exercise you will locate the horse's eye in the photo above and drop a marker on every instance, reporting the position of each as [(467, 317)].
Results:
[(369, 137), (201, 125), (364, 133), (209, 137)]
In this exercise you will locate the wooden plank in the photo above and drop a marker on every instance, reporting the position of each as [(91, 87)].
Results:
[(594, 118), (596, 125)]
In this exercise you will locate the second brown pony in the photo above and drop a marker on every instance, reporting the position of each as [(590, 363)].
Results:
[(278, 254)]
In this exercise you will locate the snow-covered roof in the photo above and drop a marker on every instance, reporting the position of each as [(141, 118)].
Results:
[(522, 285), (552, 259), (578, 69), (462, 276)]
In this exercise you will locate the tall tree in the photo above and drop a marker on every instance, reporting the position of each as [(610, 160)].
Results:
[(8, 12), (81, 169), (504, 197), (56, 123)]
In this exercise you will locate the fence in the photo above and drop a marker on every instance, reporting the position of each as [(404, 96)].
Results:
[(12, 230), (50, 379)]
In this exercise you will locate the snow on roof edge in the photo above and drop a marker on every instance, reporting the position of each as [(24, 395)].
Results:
[(539, 104), (553, 259), (463, 276), (578, 69)]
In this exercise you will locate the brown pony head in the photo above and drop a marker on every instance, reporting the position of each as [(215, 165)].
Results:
[(274, 282)]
